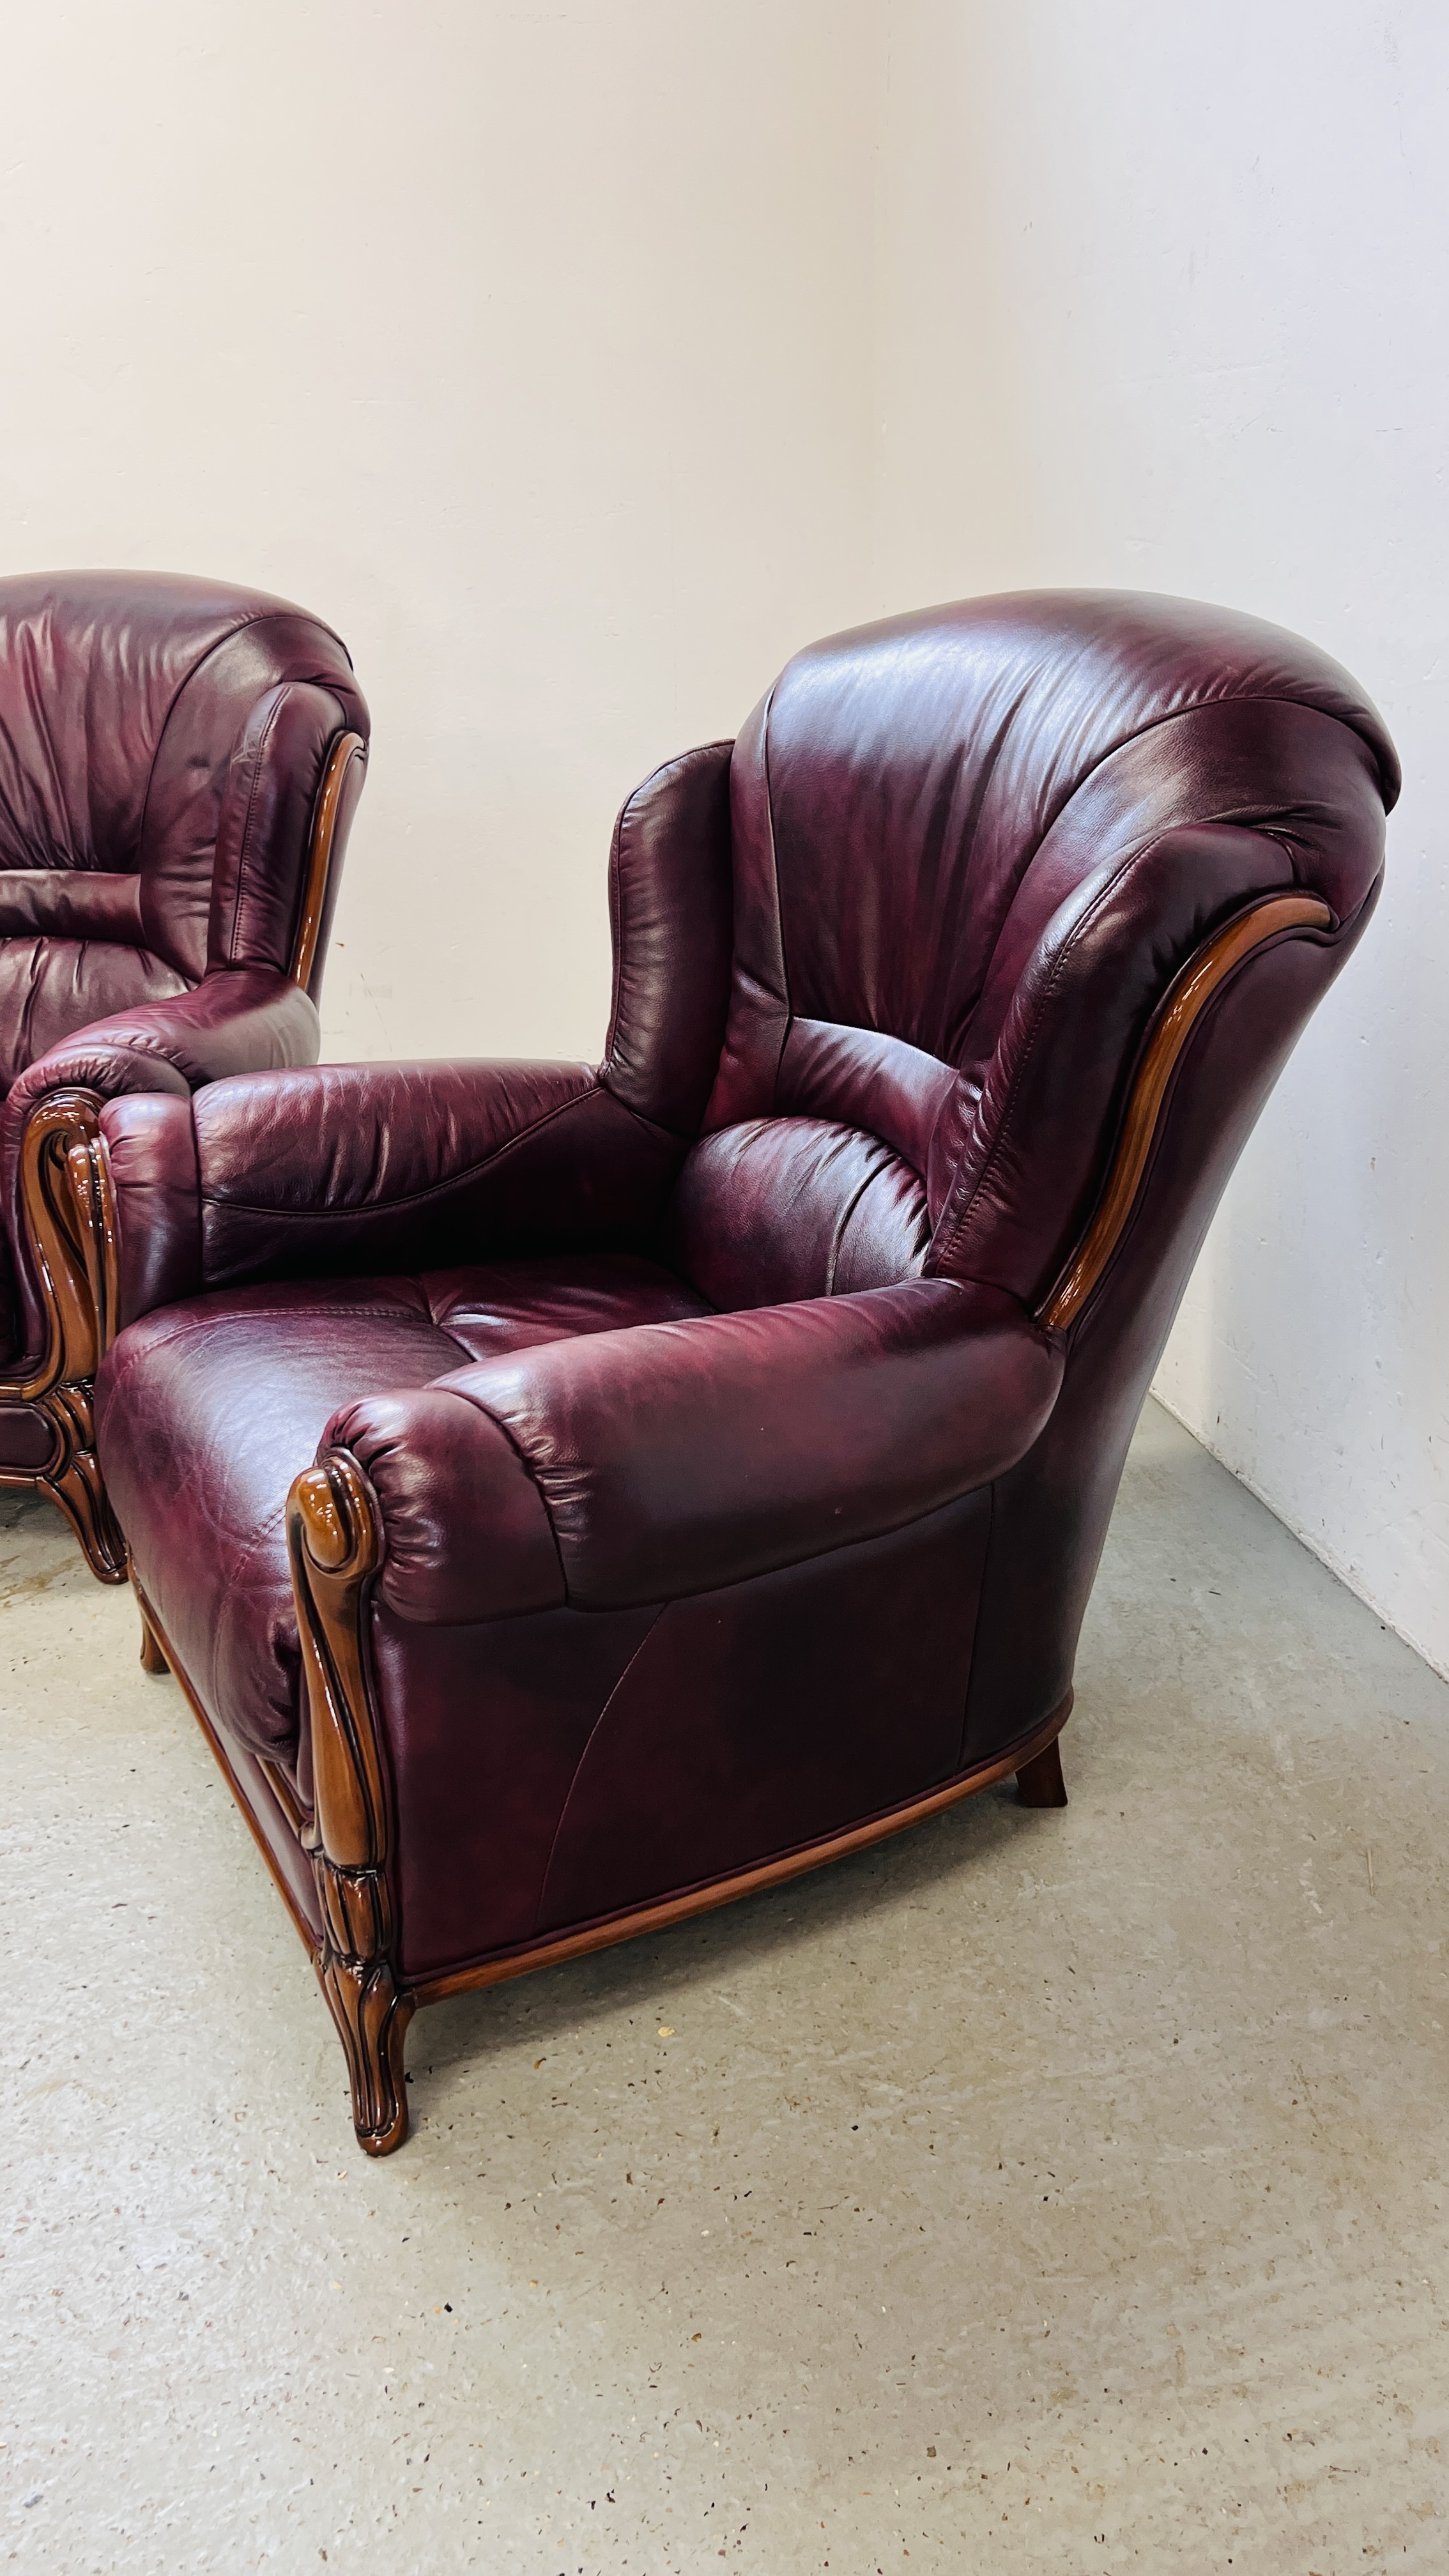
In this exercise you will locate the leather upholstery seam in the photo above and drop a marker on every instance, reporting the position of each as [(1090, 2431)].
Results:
[(789, 1020), (853, 1202), (144, 1045), (615, 930), (241, 856), (976, 805), (583, 1755), (1172, 715), (257, 617), (181, 1327), (656, 1126), (521, 1454), (667, 769), (283, 691), (415, 1198), (1053, 978), (1200, 1028), (272, 1525), (984, 1575), (1200, 706)]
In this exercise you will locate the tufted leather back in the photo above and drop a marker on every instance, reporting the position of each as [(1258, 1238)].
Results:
[(161, 745), (970, 849)]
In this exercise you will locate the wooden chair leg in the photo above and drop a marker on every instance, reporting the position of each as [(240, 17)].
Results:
[(152, 1658), (372, 2020), (1040, 1783)]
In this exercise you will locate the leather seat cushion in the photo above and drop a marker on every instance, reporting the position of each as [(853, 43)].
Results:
[(206, 1411)]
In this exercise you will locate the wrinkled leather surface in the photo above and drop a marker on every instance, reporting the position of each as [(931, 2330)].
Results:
[(611, 1751), (48, 903), (162, 743), (961, 829), (670, 913), (151, 1145), (266, 819), (246, 1015), (349, 1166), (207, 1411), (51, 986), (675, 1456), (804, 1524), (782, 1208), (897, 786), (125, 702)]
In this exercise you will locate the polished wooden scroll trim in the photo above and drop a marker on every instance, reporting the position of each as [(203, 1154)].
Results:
[(347, 748), (334, 1544), (93, 1208), (744, 1882), (76, 1284), (1185, 1001)]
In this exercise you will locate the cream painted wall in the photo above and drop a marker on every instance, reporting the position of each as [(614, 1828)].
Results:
[(1162, 304), (522, 341)]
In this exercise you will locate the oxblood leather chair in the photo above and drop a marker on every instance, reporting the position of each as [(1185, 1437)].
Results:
[(179, 763), (714, 1449)]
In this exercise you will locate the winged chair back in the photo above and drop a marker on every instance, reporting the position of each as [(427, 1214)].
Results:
[(161, 748), (970, 849)]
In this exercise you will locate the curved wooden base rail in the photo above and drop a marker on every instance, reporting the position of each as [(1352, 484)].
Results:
[(341, 786), (333, 1538), (1185, 1001), (66, 1202)]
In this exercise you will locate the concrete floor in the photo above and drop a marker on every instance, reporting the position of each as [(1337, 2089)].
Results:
[(1054, 2190)]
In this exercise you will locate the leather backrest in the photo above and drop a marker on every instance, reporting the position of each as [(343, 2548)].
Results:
[(161, 744), (945, 827)]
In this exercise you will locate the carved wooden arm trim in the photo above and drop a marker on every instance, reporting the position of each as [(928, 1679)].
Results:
[(1183, 1005), (334, 1541), (338, 791), (65, 1123), (68, 1217), (92, 1197)]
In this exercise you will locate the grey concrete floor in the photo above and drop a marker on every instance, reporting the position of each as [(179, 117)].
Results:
[(1039, 2190)]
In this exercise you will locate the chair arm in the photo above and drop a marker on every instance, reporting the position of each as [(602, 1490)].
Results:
[(241, 1019), (672, 1458), (233, 1020), (370, 1168)]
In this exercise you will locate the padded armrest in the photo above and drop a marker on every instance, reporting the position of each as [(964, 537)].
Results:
[(372, 1168), (234, 1019), (241, 1019), (672, 1458)]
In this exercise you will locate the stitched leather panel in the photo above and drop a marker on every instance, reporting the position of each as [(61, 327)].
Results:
[(865, 1079), (206, 1411), (50, 988), (70, 903), (868, 1650), (782, 1208)]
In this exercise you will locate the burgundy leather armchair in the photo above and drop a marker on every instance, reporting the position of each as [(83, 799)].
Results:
[(179, 764), (713, 1450)]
